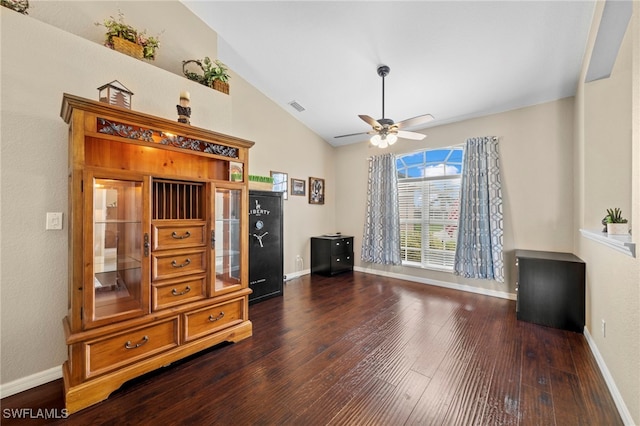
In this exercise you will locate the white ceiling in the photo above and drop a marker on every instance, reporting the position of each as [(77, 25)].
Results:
[(453, 59)]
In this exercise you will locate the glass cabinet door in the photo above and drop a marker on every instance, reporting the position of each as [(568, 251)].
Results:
[(115, 288), (228, 257)]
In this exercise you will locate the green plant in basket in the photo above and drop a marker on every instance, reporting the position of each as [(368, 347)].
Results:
[(211, 71), (118, 28)]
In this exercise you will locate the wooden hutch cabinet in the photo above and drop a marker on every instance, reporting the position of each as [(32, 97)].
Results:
[(158, 257)]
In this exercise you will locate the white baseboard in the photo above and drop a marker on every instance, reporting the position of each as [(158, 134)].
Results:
[(611, 384), (461, 287), (297, 274), (26, 383)]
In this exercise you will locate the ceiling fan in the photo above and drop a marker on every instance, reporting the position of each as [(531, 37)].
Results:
[(385, 132)]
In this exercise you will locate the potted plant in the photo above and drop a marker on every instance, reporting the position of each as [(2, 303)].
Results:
[(126, 39), (616, 224), (19, 6), (213, 74)]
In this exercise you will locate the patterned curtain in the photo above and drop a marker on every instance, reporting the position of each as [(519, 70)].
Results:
[(381, 238), (479, 249)]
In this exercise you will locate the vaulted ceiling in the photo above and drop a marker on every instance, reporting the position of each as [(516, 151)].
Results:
[(453, 59)]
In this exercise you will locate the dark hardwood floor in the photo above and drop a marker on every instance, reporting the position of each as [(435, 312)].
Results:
[(363, 349)]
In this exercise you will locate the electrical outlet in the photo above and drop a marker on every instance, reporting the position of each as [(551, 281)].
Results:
[(604, 328), (54, 220)]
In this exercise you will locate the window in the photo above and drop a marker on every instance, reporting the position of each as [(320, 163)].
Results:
[(429, 194)]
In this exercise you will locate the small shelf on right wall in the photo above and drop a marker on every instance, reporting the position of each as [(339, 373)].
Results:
[(621, 243)]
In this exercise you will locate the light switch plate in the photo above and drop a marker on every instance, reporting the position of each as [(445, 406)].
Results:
[(54, 220)]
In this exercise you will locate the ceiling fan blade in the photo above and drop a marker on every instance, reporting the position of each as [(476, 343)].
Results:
[(370, 121), (411, 135), (415, 121), (353, 134)]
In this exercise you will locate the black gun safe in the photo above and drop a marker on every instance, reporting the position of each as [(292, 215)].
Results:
[(266, 275)]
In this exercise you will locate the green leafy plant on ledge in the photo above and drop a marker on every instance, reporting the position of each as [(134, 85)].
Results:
[(211, 71), (20, 6), (118, 28), (614, 216), (614, 219)]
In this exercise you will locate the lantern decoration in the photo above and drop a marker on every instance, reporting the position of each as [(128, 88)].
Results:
[(115, 93)]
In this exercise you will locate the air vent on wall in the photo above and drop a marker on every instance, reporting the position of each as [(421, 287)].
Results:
[(296, 106)]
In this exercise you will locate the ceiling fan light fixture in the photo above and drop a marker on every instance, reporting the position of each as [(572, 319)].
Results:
[(386, 131)]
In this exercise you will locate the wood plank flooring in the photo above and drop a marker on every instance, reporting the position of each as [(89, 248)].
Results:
[(358, 349)]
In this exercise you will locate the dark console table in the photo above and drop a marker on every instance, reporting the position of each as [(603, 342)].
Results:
[(551, 289), (331, 255)]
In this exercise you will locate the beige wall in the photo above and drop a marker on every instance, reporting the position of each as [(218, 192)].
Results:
[(608, 174), (541, 168), (33, 173), (536, 149), (283, 144)]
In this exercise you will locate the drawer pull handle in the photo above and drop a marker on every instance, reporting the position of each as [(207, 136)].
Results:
[(175, 235), (128, 345), (182, 265), (214, 319), (176, 293)]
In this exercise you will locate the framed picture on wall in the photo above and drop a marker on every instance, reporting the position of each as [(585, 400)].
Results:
[(298, 187), (316, 190), (280, 183)]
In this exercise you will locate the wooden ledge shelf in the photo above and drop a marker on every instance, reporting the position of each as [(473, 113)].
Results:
[(621, 243)]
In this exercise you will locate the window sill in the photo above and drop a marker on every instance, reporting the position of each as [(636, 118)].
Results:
[(417, 265), (621, 243)]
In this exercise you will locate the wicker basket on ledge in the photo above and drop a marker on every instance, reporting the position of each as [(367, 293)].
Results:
[(221, 86), (127, 47)]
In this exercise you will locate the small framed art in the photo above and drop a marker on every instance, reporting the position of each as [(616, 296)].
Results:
[(316, 190), (298, 187)]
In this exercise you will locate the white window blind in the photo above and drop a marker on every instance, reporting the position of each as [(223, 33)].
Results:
[(429, 192)]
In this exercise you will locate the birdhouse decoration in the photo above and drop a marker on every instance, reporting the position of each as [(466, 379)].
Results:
[(115, 93)]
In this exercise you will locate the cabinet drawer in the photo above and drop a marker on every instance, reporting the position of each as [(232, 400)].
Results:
[(340, 246), (178, 263), (113, 352), (173, 234), (343, 261), (205, 321), (175, 292)]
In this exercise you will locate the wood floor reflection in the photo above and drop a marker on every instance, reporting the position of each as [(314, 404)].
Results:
[(364, 349)]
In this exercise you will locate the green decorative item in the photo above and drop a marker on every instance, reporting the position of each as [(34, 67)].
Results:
[(263, 179), (261, 183)]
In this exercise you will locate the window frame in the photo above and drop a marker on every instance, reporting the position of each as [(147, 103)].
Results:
[(425, 185)]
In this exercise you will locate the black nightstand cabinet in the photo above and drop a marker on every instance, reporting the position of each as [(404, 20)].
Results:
[(331, 255), (551, 289)]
